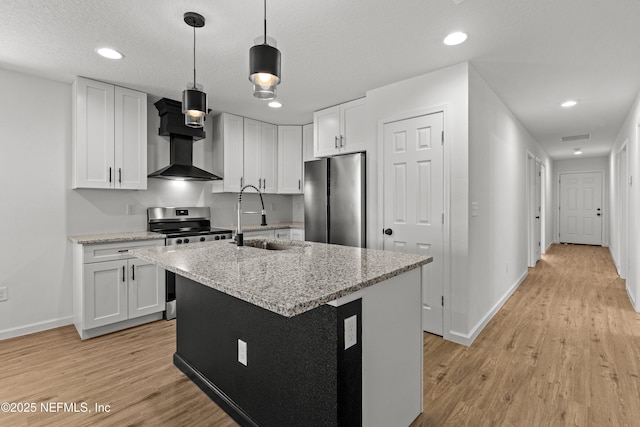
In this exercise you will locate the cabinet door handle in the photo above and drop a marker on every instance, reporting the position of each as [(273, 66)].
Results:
[(299, 185), (120, 175), (123, 274), (264, 183), (341, 141), (336, 143), (109, 174), (259, 183), (133, 272), (241, 182)]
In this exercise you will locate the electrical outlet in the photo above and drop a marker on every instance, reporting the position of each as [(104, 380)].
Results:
[(350, 331), (242, 352), (273, 208), (130, 209), (4, 294)]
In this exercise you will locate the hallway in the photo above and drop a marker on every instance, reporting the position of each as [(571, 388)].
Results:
[(564, 350)]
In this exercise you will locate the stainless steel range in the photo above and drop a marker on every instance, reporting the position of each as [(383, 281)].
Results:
[(182, 226)]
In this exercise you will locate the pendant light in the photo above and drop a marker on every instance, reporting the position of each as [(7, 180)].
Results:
[(194, 101), (264, 66)]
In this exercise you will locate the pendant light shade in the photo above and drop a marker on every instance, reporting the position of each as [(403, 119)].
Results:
[(194, 107), (194, 101), (264, 66)]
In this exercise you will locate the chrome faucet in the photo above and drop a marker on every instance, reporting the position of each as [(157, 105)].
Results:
[(239, 234)]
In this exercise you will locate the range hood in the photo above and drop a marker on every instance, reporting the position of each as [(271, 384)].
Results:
[(181, 139)]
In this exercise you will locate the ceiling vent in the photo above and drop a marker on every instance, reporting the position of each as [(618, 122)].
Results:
[(575, 137)]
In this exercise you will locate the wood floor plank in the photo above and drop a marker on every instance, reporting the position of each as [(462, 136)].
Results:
[(563, 351)]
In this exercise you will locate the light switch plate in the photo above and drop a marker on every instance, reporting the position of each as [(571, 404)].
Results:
[(242, 352), (350, 331)]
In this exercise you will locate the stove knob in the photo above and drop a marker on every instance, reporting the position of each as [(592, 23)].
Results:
[(217, 237), (223, 237), (202, 239), (186, 240), (178, 241)]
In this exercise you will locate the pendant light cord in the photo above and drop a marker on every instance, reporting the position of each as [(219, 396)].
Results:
[(194, 57), (265, 21)]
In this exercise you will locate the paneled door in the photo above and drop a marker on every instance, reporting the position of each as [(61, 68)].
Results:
[(581, 208), (537, 205), (414, 202)]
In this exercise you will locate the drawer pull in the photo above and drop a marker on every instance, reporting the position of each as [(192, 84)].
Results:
[(123, 251)]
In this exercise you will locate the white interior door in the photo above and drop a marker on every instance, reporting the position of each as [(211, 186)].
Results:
[(414, 202), (537, 206), (581, 208)]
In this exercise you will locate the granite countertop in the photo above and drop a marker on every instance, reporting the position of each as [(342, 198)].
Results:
[(129, 236), (287, 282), (258, 227)]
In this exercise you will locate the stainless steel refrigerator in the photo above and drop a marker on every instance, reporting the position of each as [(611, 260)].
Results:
[(334, 200)]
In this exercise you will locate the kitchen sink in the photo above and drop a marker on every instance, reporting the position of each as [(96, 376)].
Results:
[(270, 246)]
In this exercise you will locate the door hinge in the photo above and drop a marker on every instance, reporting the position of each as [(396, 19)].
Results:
[(443, 300), (442, 138)]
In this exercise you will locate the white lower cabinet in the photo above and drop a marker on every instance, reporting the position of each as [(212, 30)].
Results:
[(296, 234), (282, 234), (114, 290)]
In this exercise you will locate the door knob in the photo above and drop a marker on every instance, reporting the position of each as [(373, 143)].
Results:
[(388, 231), (537, 217)]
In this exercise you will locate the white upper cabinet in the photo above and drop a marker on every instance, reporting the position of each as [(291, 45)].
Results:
[(340, 129), (290, 159), (307, 143), (228, 154), (261, 155), (269, 158), (109, 136), (252, 153)]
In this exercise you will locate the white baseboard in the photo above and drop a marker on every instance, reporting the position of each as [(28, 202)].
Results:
[(467, 339), (35, 327), (633, 301), (549, 247)]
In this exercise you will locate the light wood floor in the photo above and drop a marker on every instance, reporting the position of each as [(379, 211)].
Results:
[(564, 350)]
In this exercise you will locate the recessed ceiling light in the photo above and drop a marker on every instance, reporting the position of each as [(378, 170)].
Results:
[(455, 38), (577, 151), (107, 52), (275, 104), (568, 104)]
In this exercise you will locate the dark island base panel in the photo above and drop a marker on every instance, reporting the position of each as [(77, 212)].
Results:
[(298, 372)]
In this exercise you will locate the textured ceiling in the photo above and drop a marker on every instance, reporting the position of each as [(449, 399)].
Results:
[(534, 54)]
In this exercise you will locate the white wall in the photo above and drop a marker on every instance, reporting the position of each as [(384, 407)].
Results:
[(34, 164), (40, 209), (630, 134), (446, 88), (589, 164), (498, 236)]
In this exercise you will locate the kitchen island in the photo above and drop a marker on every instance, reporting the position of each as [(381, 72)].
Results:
[(314, 334)]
